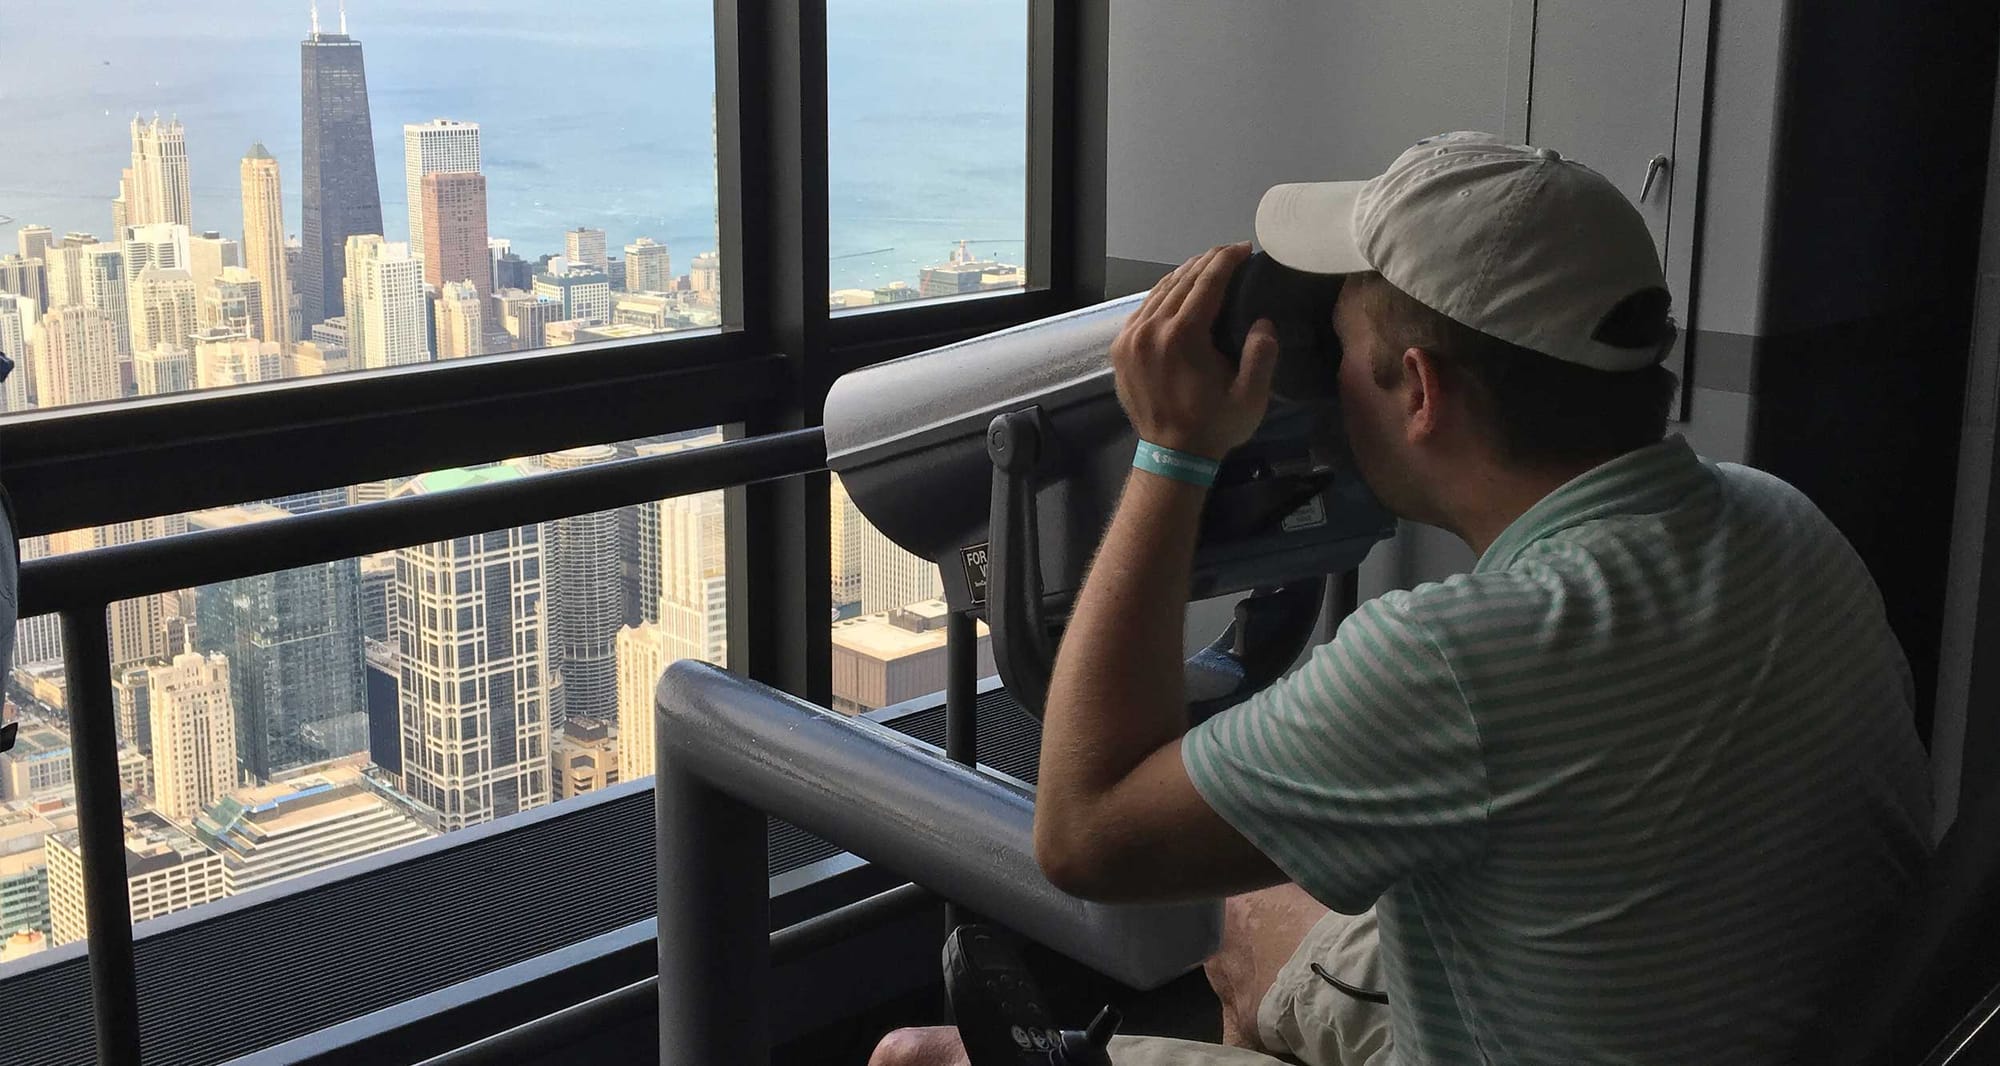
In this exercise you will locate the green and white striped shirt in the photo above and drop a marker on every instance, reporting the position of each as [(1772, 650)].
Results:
[(1628, 792)]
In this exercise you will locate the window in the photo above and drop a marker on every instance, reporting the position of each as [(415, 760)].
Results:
[(927, 117), (283, 723), (389, 185)]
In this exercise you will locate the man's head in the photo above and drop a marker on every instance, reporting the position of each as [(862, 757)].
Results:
[(1505, 315)]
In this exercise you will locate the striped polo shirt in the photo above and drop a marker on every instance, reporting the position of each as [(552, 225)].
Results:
[(1628, 792)]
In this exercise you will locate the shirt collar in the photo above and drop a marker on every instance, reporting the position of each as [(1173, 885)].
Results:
[(1650, 479)]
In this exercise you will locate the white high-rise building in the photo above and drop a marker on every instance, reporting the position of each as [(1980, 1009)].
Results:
[(208, 254), (157, 245), (194, 734), (642, 657), (104, 276), (234, 301), (163, 370), (585, 249), (471, 640), (63, 263), (386, 321), (34, 240), (164, 309), (76, 357), (286, 829), (694, 586), (223, 358), (429, 148), (160, 191), (586, 598), (845, 539), (892, 577), (648, 268), (19, 320), (461, 321), (264, 241)]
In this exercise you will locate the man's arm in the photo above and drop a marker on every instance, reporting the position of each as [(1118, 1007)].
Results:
[(1116, 816)]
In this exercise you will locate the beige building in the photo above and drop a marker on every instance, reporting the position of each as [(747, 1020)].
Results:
[(163, 309), (312, 360), (440, 145), (24, 875), (209, 253), (585, 249), (881, 659), (846, 531), (234, 302), (642, 658), (289, 828), (264, 240), (648, 267), (892, 577), (39, 766), (694, 578), (166, 870), (138, 626), (461, 321), (159, 190), (76, 357), (223, 358), (163, 370), (194, 734), (387, 324), (585, 757)]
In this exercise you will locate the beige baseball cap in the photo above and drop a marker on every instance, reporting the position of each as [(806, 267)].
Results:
[(1514, 241)]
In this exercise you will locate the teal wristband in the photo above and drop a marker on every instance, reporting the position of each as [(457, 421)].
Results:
[(1181, 466)]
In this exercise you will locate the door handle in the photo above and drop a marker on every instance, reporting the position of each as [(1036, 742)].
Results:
[(1653, 168)]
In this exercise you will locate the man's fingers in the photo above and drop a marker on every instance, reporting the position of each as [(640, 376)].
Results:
[(1191, 273), (1163, 289), (1259, 366), (1204, 296)]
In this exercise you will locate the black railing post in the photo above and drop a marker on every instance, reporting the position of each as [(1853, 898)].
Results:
[(100, 830), (961, 712), (714, 921)]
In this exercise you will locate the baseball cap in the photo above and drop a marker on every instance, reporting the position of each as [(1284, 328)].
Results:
[(1512, 240)]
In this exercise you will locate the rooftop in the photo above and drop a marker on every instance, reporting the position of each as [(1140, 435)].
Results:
[(905, 631)]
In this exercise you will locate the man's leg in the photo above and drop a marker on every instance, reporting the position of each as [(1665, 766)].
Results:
[(1272, 1001)]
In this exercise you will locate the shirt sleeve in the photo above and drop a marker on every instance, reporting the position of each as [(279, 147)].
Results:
[(1358, 770)]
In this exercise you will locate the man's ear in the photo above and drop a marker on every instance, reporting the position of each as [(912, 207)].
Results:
[(1422, 394)]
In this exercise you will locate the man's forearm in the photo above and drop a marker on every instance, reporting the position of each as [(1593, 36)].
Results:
[(1116, 694)]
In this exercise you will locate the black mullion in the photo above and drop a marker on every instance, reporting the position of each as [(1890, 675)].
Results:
[(771, 133), (1068, 55)]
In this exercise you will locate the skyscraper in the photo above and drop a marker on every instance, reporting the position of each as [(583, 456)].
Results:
[(160, 190), (584, 247), (642, 657), (105, 282), (525, 316), (63, 267), (152, 244), (209, 253), (194, 734), (76, 360), (162, 370), (386, 318), (33, 240), (892, 577), (472, 693), (461, 321), (235, 302), (428, 148), (586, 601), (18, 321), (293, 642), (25, 277), (647, 267), (453, 212), (845, 538), (264, 240), (226, 357), (340, 196), (164, 306), (694, 583)]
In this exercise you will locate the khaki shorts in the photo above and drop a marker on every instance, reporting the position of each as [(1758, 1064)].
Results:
[(1303, 1018)]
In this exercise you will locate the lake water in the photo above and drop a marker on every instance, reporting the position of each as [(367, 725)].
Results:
[(593, 112)]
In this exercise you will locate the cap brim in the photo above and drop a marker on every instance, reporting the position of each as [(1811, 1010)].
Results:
[(1310, 226)]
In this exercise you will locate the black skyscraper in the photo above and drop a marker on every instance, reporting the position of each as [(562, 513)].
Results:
[(341, 197)]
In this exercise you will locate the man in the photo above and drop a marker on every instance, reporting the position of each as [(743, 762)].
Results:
[(1627, 792)]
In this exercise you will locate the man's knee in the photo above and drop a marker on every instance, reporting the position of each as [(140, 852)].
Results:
[(1260, 931), (936, 1045)]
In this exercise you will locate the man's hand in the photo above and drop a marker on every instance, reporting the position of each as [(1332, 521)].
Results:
[(1177, 389)]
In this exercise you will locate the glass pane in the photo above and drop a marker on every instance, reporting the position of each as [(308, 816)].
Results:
[(281, 724), (370, 186), (927, 123)]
